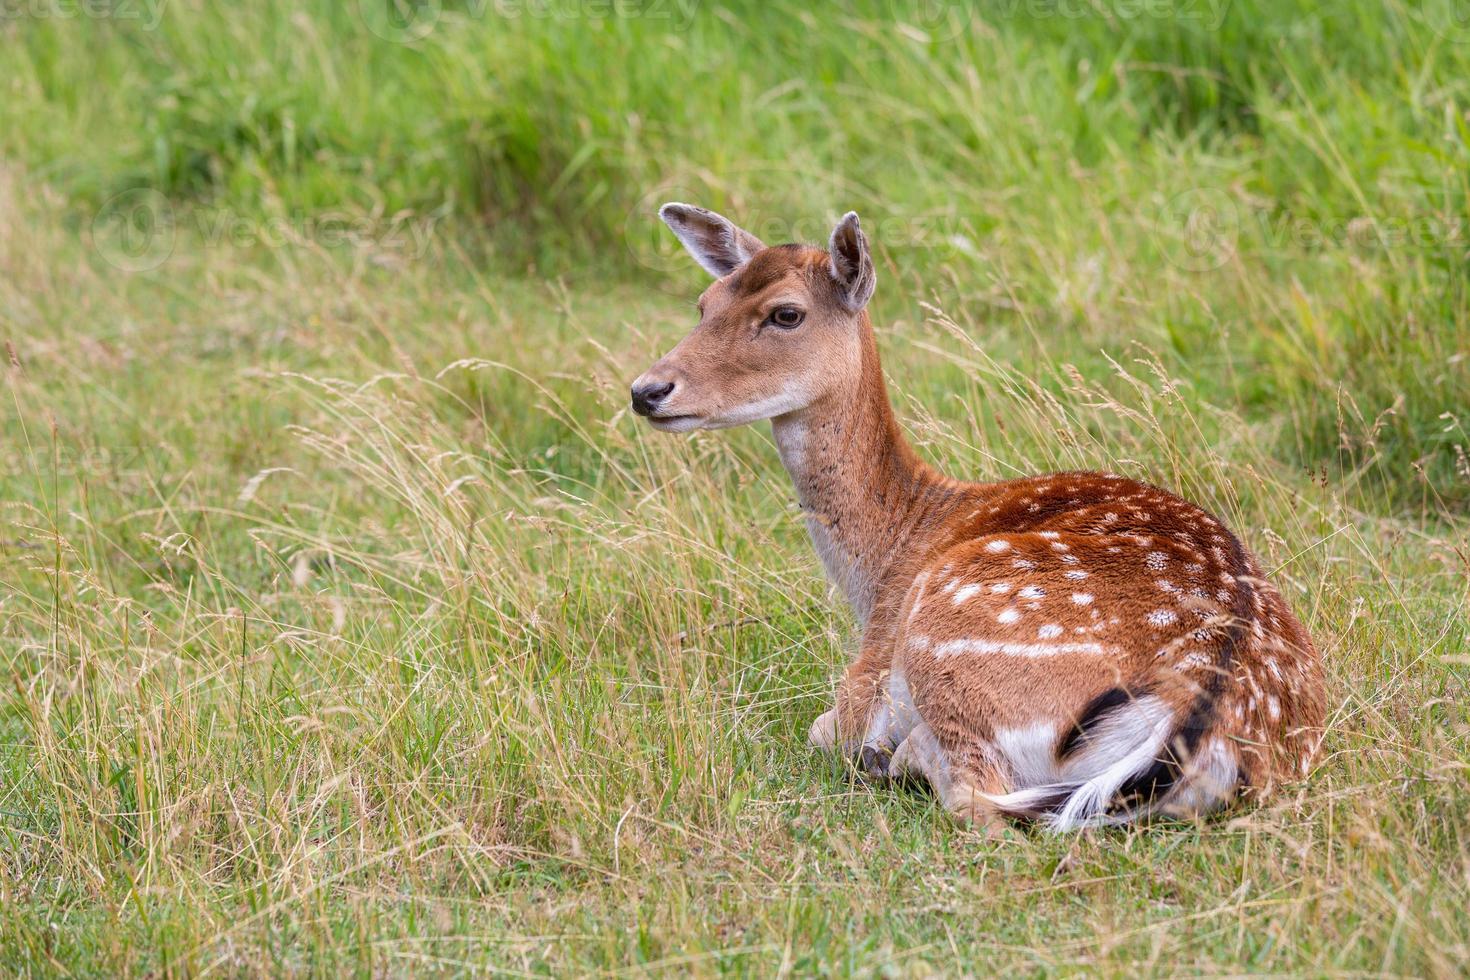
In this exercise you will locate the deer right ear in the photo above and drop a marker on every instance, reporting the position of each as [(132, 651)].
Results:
[(852, 264), (716, 243)]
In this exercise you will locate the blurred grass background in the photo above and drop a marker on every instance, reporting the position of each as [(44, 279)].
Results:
[(352, 624), (1329, 146)]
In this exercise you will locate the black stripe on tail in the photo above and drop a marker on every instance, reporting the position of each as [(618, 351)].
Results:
[(1160, 777)]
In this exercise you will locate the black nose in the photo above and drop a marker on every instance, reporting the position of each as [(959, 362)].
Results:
[(646, 398)]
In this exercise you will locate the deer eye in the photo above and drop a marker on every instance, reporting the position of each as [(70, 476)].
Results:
[(786, 317)]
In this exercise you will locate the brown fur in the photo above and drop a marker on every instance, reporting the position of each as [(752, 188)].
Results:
[(1045, 601)]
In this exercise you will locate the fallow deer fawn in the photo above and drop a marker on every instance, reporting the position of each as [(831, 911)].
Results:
[(1074, 648)]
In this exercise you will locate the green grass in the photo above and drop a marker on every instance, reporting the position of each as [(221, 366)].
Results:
[(350, 622)]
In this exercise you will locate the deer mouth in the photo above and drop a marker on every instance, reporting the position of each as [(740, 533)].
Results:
[(675, 423)]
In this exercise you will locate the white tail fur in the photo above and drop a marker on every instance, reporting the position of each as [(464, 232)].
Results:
[(1123, 745)]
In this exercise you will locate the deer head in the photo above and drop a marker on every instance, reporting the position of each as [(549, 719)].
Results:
[(779, 329)]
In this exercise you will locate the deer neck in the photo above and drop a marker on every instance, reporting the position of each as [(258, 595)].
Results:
[(866, 495)]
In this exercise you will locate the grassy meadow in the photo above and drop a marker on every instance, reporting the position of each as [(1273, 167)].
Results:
[(350, 623)]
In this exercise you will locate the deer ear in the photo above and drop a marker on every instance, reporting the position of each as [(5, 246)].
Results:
[(716, 243), (852, 265)]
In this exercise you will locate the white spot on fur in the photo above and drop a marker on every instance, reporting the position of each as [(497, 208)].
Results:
[(1000, 588), (1155, 560), (1162, 617), (1049, 631), (1008, 615), (1049, 535), (952, 648), (1023, 563), (1032, 592), (1076, 575), (1194, 658), (1082, 598), (965, 593), (997, 546)]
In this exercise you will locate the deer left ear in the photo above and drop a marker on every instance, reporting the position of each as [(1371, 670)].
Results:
[(852, 265), (716, 242)]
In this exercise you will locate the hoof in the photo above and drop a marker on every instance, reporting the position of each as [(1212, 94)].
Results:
[(903, 767), (875, 761), (824, 731)]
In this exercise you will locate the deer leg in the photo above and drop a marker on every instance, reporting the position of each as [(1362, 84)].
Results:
[(845, 727), (874, 714), (958, 788), (824, 731), (872, 753), (891, 721)]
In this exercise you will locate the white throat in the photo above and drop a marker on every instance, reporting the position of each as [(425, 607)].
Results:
[(801, 453)]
